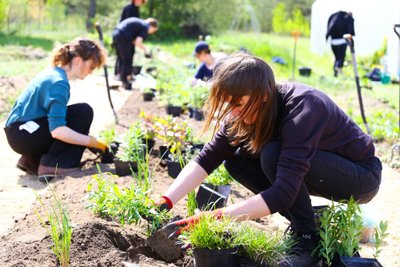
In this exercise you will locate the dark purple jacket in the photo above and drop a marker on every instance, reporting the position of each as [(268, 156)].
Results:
[(308, 120)]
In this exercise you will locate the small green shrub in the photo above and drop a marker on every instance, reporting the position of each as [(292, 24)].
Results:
[(219, 176)]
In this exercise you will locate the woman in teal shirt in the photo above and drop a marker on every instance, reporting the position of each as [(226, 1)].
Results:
[(49, 134)]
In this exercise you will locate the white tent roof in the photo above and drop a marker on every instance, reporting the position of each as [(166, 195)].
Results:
[(373, 21)]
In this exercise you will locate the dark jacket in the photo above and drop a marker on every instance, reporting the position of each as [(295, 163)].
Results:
[(340, 23), (130, 11)]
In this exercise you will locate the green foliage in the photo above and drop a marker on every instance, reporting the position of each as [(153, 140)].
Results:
[(340, 230), (107, 136), (131, 146), (126, 205), (383, 124), (3, 13), (191, 203), (379, 236), (219, 176), (279, 18), (224, 233), (58, 226), (284, 24), (198, 95)]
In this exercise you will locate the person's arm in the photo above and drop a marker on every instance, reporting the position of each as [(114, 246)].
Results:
[(188, 179), (67, 135), (139, 43)]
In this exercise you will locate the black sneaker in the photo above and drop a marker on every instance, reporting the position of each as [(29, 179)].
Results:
[(127, 85), (301, 253)]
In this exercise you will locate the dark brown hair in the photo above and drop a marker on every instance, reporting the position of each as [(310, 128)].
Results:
[(80, 47), (234, 77), (152, 22)]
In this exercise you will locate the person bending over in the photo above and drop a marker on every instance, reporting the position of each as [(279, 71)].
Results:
[(49, 134), (284, 142)]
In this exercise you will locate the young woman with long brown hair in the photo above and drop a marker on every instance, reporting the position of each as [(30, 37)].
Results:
[(49, 134), (284, 142)]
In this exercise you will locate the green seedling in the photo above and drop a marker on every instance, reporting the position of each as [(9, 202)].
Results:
[(379, 236), (191, 203), (58, 227), (219, 176), (107, 136)]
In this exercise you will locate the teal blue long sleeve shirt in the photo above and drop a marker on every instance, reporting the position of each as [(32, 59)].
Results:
[(47, 95)]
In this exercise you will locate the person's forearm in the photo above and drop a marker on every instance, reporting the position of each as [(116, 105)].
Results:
[(252, 208), (139, 43), (188, 179), (67, 135)]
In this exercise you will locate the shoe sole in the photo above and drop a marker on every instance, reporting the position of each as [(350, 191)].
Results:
[(25, 169)]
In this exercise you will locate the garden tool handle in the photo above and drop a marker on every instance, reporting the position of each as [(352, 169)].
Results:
[(349, 40), (396, 31)]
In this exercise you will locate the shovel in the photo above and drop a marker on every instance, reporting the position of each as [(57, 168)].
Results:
[(396, 148), (350, 43)]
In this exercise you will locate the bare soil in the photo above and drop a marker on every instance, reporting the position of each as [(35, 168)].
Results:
[(100, 242)]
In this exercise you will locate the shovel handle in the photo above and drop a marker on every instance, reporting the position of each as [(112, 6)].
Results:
[(349, 39), (395, 29)]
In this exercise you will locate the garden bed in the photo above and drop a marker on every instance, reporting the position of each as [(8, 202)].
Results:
[(100, 242)]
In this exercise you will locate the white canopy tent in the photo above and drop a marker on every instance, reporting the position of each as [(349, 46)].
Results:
[(373, 21)]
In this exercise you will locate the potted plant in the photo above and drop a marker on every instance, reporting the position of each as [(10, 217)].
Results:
[(198, 96), (340, 229), (176, 161), (147, 129), (215, 191), (108, 136), (225, 242), (148, 94), (130, 151)]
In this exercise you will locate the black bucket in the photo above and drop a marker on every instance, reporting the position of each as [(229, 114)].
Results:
[(305, 71)]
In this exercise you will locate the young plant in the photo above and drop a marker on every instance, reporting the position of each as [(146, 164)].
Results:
[(191, 203), (127, 205), (219, 176), (107, 136), (147, 125), (198, 95), (131, 148), (58, 227), (340, 230), (380, 235)]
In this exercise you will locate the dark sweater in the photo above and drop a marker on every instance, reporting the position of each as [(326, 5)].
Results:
[(131, 28), (129, 11), (340, 23), (308, 120)]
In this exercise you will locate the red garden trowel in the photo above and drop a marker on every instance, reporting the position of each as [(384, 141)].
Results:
[(100, 32), (396, 148), (350, 43)]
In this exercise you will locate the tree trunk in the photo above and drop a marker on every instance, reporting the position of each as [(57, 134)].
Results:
[(91, 15)]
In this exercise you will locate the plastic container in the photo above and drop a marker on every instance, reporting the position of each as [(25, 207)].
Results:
[(359, 262), (174, 168), (216, 258), (209, 199)]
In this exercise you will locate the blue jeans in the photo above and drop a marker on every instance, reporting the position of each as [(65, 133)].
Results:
[(329, 176)]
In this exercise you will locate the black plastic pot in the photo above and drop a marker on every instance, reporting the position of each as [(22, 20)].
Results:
[(123, 168), (216, 258), (305, 71), (148, 96), (149, 144), (209, 199), (108, 157), (175, 111), (163, 152), (358, 262), (224, 190), (197, 146), (198, 114), (174, 168), (136, 69), (190, 109)]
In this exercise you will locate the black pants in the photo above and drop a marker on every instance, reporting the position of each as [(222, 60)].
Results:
[(42, 146), (330, 176), (125, 51), (340, 53)]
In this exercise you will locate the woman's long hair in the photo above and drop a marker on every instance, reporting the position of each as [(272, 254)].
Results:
[(234, 77), (80, 47)]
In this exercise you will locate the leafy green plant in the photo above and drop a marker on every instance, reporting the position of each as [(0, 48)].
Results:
[(174, 133), (198, 95), (219, 176), (379, 236), (127, 205), (107, 136), (191, 203), (340, 230), (225, 233), (131, 145), (147, 125), (58, 227)]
